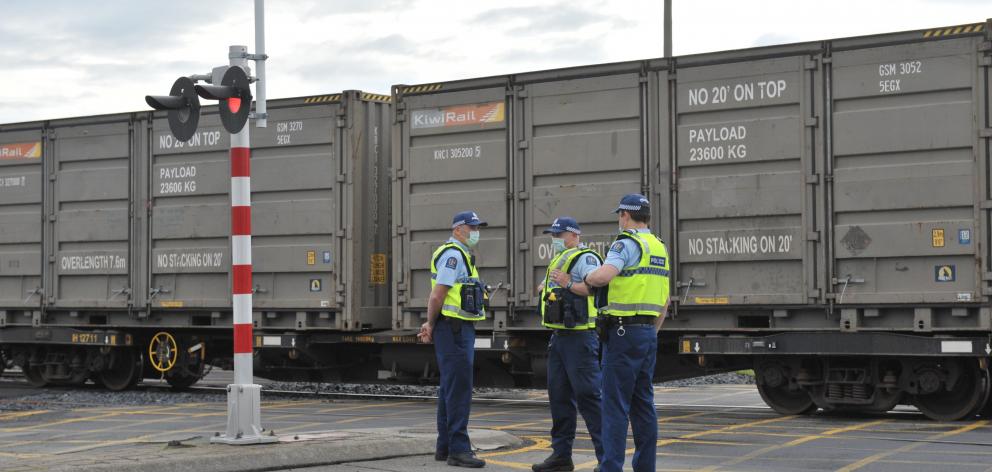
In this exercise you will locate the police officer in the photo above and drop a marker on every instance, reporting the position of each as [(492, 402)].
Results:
[(636, 276), (455, 304), (573, 354)]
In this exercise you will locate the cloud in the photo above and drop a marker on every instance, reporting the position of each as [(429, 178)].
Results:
[(589, 51), (562, 17), (770, 39)]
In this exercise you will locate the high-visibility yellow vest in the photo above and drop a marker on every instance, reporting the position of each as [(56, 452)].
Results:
[(452, 306), (640, 290), (564, 262)]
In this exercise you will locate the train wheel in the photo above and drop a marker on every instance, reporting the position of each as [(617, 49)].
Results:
[(124, 371), (785, 401), (962, 401), (781, 394), (34, 376)]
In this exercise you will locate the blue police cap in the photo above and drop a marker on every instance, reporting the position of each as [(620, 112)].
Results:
[(564, 223), (467, 218), (632, 202)]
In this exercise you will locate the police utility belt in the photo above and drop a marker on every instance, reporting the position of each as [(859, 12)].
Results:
[(474, 301), (562, 307)]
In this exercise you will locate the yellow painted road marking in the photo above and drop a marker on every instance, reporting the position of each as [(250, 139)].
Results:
[(362, 407), (352, 420), (21, 414), (882, 455), (516, 426), (794, 442)]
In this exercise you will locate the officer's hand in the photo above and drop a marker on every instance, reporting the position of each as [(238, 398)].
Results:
[(560, 278), (426, 333)]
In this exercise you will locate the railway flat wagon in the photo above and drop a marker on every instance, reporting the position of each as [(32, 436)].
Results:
[(115, 248)]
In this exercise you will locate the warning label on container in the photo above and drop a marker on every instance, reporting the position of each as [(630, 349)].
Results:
[(20, 150), (741, 245), (460, 115), (377, 274), (92, 262), (712, 300), (201, 139), (937, 237), (190, 260), (944, 273), (964, 236)]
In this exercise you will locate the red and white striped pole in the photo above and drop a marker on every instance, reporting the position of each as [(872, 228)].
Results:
[(244, 425), (241, 285)]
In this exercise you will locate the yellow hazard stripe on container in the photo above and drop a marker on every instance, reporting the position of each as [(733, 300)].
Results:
[(323, 99), (422, 88), (375, 97), (953, 30)]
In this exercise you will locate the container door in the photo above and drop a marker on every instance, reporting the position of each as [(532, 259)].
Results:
[(190, 217), (91, 216), (905, 179), (20, 219), (742, 208), (296, 185), (453, 158), (583, 151)]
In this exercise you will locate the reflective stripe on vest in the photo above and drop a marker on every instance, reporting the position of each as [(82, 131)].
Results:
[(452, 305), (644, 289), (564, 259)]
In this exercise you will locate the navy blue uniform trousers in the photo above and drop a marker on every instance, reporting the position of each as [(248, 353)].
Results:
[(455, 357), (628, 366), (574, 381)]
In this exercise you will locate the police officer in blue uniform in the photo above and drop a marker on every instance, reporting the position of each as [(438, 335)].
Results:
[(455, 304), (635, 275), (573, 354)]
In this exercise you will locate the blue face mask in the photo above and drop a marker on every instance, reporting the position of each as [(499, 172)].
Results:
[(473, 238), (557, 245)]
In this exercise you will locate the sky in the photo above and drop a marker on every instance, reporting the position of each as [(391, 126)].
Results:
[(65, 58)]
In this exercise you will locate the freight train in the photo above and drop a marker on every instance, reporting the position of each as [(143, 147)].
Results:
[(826, 205)]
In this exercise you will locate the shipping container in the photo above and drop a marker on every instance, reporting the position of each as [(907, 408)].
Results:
[(125, 242), (320, 210), (521, 151)]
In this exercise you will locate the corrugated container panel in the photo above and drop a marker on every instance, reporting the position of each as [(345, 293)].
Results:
[(742, 208), (585, 152), (21, 187), (906, 181), (91, 199), (453, 157)]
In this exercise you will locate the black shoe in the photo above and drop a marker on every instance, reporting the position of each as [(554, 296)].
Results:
[(440, 456), (466, 459), (597, 469), (554, 464)]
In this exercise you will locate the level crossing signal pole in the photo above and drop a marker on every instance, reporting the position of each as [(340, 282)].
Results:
[(230, 86)]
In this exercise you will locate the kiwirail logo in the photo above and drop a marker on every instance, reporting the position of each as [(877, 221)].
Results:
[(460, 115)]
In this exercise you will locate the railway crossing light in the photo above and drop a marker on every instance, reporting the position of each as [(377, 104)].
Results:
[(234, 94), (183, 106)]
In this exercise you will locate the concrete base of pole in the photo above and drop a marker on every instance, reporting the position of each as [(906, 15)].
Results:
[(244, 422)]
